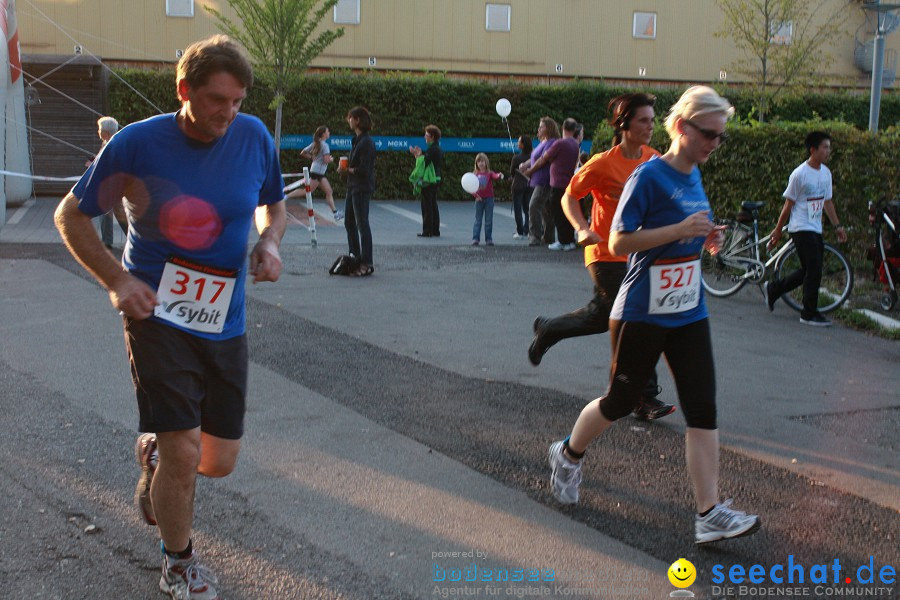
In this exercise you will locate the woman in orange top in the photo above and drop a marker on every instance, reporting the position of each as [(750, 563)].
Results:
[(604, 176)]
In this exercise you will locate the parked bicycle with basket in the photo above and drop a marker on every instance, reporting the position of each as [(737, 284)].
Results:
[(743, 258)]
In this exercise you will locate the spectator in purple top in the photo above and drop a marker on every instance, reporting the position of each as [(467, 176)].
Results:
[(562, 157), (540, 217)]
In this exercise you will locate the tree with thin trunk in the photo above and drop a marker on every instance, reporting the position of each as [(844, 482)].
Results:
[(278, 35), (783, 43)]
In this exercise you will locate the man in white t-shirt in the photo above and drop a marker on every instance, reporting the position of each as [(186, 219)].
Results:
[(808, 194)]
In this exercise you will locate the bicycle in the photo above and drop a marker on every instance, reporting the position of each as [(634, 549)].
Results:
[(739, 261), (885, 249)]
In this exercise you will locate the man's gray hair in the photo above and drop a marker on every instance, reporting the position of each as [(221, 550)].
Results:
[(108, 124)]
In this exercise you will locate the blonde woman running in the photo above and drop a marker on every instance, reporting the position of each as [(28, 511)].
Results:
[(662, 221)]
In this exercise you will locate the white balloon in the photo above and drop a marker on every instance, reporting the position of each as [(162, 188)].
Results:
[(470, 182), (503, 107)]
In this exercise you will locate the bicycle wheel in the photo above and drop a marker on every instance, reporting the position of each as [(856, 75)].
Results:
[(720, 276), (837, 279)]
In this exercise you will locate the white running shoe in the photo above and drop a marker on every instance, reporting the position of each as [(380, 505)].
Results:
[(338, 216), (188, 579), (722, 523), (565, 476), (569, 247), (817, 320), (555, 246)]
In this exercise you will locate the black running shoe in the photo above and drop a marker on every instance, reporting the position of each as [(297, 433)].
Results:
[(535, 350), (650, 409)]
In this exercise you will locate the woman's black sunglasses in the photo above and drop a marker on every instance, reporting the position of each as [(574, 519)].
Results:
[(708, 133)]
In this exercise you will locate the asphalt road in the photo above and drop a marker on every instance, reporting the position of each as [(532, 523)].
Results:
[(396, 417)]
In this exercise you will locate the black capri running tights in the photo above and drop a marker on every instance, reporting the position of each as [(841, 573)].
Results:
[(688, 351)]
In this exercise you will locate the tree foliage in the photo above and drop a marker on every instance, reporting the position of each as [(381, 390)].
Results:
[(784, 43), (278, 35)]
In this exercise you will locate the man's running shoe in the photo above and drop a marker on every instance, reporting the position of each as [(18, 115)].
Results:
[(650, 409), (187, 579), (722, 523), (565, 476), (817, 320), (536, 351), (338, 216), (147, 457), (770, 299)]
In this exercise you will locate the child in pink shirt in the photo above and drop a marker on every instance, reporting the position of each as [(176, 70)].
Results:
[(484, 199)]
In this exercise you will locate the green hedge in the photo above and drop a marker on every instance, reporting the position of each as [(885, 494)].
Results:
[(753, 165)]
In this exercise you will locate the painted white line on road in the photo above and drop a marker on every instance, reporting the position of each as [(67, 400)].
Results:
[(505, 212), (17, 216), (292, 220), (412, 216), (415, 217)]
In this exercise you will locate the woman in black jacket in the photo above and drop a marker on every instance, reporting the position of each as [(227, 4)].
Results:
[(431, 218), (360, 170)]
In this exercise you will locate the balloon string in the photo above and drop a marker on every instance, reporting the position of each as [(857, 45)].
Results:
[(512, 148)]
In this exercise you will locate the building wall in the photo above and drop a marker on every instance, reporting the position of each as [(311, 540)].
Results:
[(589, 38)]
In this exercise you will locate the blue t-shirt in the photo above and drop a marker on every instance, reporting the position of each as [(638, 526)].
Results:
[(654, 196), (186, 199)]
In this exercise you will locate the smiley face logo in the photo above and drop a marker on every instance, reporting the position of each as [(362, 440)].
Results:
[(682, 573)]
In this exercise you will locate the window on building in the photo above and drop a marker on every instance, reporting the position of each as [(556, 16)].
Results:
[(346, 12), (497, 17), (782, 32), (179, 8), (644, 26)]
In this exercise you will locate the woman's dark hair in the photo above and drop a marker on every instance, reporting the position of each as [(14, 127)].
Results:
[(317, 139), (527, 147), (622, 109), (434, 132), (362, 114)]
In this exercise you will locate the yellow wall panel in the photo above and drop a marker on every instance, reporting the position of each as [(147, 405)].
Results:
[(590, 38)]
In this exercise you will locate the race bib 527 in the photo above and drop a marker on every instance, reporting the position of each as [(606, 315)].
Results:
[(674, 287)]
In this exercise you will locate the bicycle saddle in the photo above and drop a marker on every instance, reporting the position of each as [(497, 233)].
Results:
[(747, 205)]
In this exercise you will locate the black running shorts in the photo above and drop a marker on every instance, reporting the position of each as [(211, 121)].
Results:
[(183, 381)]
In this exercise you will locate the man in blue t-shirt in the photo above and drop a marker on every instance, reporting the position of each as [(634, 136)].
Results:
[(193, 183)]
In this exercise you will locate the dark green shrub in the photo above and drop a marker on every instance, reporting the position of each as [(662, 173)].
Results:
[(754, 165)]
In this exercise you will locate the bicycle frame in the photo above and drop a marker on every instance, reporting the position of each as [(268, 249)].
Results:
[(730, 256)]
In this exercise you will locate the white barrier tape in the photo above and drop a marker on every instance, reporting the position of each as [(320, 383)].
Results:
[(290, 188), (39, 177)]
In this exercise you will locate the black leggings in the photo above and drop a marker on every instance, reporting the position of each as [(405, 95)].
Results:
[(688, 351), (593, 318)]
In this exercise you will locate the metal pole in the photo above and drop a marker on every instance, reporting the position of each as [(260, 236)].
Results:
[(877, 77), (309, 208)]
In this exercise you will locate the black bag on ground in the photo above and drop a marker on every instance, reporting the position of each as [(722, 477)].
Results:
[(344, 265)]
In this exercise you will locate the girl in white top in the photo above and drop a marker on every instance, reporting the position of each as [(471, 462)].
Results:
[(320, 154)]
